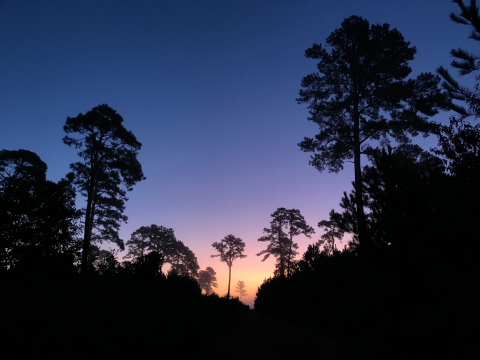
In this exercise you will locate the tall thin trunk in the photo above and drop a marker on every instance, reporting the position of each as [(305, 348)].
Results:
[(88, 217), (282, 262), (229, 277), (289, 255), (358, 171), (87, 232), (333, 244)]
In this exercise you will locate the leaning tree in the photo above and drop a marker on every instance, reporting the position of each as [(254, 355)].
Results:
[(361, 94), (107, 170), (229, 249)]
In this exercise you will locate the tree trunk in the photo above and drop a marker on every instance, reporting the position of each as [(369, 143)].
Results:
[(88, 217), (282, 269), (289, 255), (229, 277), (358, 172), (333, 244), (87, 232)]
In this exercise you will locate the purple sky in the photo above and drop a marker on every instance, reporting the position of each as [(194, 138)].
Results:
[(208, 88)]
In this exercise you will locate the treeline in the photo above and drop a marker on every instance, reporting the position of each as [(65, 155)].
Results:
[(404, 286), (407, 284), (61, 295)]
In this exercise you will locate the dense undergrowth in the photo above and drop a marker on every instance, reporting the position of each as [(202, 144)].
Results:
[(127, 314)]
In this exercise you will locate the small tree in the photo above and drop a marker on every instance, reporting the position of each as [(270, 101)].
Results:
[(207, 279), (281, 243), (107, 170), (240, 288), (229, 249), (333, 230)]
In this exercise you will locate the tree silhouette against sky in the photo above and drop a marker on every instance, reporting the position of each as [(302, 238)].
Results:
[(229, 249), (207, 280), (107, 170), (361, 93), (240, 288), (279, 245), (281, 242), (333, 230), (163, 241)]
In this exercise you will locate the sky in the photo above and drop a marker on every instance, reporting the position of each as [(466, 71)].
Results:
[(209, 89)]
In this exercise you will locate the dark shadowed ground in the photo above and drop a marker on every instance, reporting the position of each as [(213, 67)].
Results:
[(257, 336)]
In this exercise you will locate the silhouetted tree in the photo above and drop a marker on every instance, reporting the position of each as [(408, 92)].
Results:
[(240, 288), (279, 245), (163, 241), (183, 260), (207, 280), (37, 216), (333, 231), (229, 249), (307, 262), (465, 62), (360, 94), (108, 169), (459, 142), (20, 165), (138, 244), (404, 185), (296, 225)]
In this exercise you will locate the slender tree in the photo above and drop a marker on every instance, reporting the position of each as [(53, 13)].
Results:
[(333, 231), (360, 93), (279, 245), (240, 288), (229, 249), (207, 280), (107, 170), (296, 225)]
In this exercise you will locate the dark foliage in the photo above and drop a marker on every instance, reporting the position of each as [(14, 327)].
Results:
[(128, 310), (37, 217), (207, 280), (163, 241), (107, 170), (285, 225), (361, 94), (415, 291)]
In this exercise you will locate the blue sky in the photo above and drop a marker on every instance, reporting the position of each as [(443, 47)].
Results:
[(209, 89)]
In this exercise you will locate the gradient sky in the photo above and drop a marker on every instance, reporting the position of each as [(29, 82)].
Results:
[(208, 88)]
